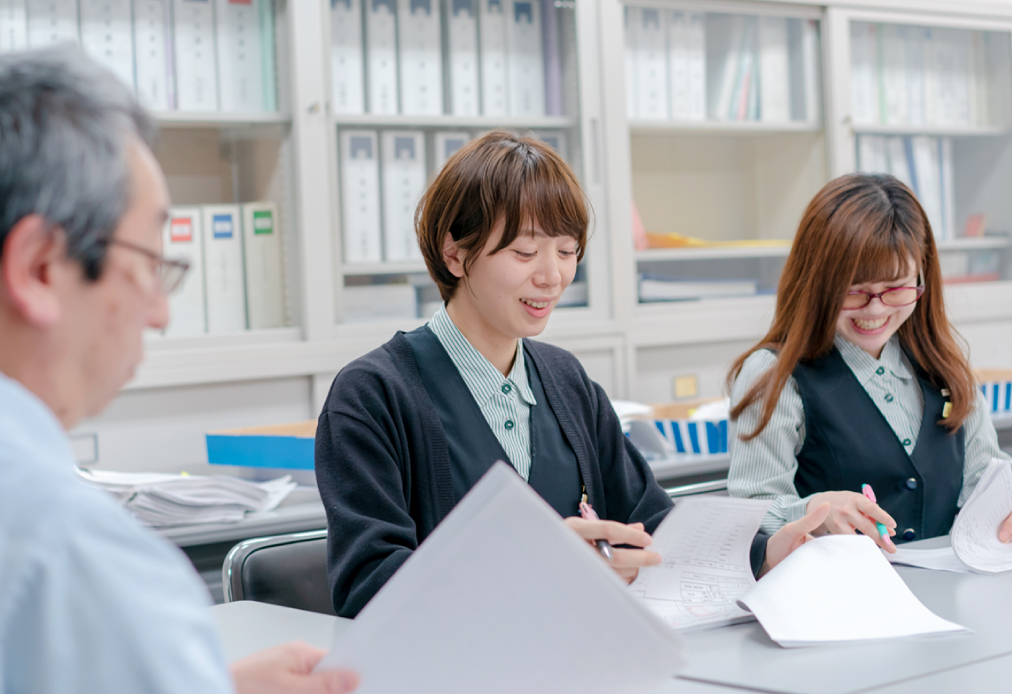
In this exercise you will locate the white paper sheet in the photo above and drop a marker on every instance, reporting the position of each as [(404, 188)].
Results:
[(975, 532), (939, 559), (840, 589), (705, 543), (504, 598)]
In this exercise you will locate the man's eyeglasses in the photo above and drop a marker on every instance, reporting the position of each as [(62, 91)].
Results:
[(170, 272), (897, 296)]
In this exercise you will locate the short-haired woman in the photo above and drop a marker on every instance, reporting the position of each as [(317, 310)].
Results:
[(861, 380), (410, 427)]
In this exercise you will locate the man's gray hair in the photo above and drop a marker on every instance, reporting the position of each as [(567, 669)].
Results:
[(65, 127)]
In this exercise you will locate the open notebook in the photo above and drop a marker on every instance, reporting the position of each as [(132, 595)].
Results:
[(504, 597), (975, 544)]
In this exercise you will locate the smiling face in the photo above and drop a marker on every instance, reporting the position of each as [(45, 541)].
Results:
[(871, 327), (510, 294)]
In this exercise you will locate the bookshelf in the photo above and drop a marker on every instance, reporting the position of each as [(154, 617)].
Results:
[(497, 69), (692, 170)]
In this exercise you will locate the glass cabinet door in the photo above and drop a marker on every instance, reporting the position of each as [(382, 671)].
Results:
[(208, 71), (726, 144), (411, 81), (932, 105)]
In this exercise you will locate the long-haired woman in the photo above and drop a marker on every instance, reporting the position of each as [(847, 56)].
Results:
[(861, 380)]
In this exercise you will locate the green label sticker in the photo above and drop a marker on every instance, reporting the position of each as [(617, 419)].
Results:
[(263, 222)]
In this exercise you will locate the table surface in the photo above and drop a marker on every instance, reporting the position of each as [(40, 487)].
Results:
[(742, 657)]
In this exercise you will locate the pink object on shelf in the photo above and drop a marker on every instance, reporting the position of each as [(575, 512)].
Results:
[(639, 232)]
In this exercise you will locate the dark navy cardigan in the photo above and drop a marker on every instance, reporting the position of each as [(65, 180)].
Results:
[(383, 467)]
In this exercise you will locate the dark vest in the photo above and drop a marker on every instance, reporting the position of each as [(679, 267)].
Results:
[(472, 446), (849, 443)]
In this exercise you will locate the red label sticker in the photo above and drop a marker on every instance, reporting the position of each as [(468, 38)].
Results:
[(181, 230)]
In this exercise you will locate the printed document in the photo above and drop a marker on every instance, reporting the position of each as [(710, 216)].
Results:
[(503, 598), (840, 589), (705, 543), (975, 544)]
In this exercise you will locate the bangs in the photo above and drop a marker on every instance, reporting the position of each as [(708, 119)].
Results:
[(548, 192), (886, 256)]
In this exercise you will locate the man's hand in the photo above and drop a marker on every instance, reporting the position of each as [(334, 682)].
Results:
[(626, 562), (289, 668), (849, 512), (792, 536)]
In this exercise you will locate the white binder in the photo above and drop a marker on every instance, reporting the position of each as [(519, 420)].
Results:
[(403, 184), (183, 238), (196, 70), (360, 221), (462, 41), (347, 85), (240, 50), (152, 32), (648, 38), (492, 16), (51, 22), (223, 269), (421, 64), (381, 56), (107, 36), (774, 73), (526, 65), (13, 25), (447, 145), (263, 253)]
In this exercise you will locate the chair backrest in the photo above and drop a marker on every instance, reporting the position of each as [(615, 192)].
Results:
[(288, 570)]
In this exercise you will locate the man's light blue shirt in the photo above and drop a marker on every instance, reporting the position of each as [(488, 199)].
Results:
[(90, 601)]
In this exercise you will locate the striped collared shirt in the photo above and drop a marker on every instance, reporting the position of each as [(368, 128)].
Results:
[(505, 402), (764, 467)]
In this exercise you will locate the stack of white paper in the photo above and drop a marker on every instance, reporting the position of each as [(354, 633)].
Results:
[(975, 544), (467, 612), (705, 543), (164, 500), (840, 589)]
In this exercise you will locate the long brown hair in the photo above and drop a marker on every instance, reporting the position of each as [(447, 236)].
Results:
[(504, 177), (859, 228)]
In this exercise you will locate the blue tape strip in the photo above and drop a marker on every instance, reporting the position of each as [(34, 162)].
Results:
[(261, 451)]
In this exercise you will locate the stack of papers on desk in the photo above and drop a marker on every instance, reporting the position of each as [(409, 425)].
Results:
[(705, 544), (975, 544), (163, 500), (504, 598), (839, 589)]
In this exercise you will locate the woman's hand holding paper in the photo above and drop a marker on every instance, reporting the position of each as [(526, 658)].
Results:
[(625, 560), (850, 512), (792, 536)]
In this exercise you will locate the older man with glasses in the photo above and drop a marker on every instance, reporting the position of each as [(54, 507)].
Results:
[(89, 600)]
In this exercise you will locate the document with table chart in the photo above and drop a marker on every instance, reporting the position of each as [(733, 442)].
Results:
[(705, 543)]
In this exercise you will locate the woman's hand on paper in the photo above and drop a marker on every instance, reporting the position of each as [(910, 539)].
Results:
[(625, 560), (850, 512), (792, 536), (1005, 531), (289, 668)]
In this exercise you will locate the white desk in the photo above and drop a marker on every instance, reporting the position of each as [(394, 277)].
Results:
[(742, 657)]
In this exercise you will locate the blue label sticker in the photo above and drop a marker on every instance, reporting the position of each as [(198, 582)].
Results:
[(221, 226)]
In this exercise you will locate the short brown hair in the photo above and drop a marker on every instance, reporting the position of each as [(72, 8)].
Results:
[(859, 228), (497, 177)]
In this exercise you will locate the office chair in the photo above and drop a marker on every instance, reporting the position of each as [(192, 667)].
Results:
[(288, 570)]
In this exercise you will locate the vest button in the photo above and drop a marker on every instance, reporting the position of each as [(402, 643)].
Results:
[(909, 534), (911, 483)]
